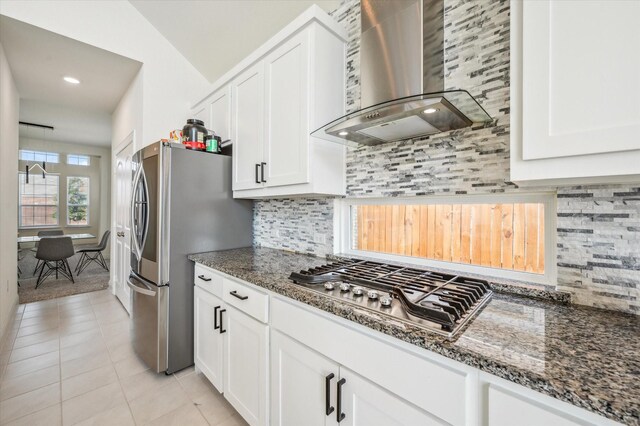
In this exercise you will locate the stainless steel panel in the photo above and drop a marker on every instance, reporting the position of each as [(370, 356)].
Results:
[(149, 309), (390, 51), (150, 241), (203, 217)]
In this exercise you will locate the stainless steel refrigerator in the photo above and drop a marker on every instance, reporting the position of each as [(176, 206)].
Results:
[(182, 203)]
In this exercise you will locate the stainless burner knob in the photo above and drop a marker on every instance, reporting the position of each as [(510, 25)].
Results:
[(358, 291), (372, 294), (345, 287), (329, 286), (385, 301)]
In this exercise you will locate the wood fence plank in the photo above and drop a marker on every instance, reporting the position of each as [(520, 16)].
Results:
[(485, 235), (401, 231), (439, 232), (446, 233), (541, 247), (431, 231), (518, 237), (507, 236), (466, 220), (388, 227), (456, 222), (424, 215), (531, 236), (496, 236), (415, 238), (408, 230), (395, 235)]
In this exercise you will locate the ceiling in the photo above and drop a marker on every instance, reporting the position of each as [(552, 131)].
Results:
[(215, 35), (39, 59)]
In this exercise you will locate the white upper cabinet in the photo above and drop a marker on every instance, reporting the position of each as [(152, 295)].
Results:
[(269, 104), (220, 112), (247, 105), (287, 107), (575, 91)]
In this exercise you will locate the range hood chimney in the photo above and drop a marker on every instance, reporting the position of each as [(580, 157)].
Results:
[(402, 80)]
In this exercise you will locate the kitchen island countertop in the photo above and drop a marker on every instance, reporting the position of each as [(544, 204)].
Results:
[(584, 356)]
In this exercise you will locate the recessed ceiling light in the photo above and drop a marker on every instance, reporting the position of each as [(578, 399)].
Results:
[(343, 133), (71, 80), (430, 110)]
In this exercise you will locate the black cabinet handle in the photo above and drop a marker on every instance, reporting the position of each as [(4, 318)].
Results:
[(327, 394), (203, 278), (222, 330), (262, 172), (215, 318), (339, 414), (257, 168), (235, 294)]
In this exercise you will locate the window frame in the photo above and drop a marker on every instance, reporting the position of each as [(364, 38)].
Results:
[(20, 205), (78, 157), (88, 205), (342, 242), (46, 154)]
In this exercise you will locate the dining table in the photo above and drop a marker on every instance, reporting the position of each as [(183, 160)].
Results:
[(35, 238)]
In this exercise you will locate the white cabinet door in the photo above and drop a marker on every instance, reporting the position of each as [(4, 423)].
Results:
[(287, 109), (247, 127), (202, 113), (220, 112), (246, 365), (366, 404), (581, 77), (300, 378), (208, 341)]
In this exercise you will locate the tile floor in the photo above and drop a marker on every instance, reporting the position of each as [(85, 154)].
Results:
[(69, 361)]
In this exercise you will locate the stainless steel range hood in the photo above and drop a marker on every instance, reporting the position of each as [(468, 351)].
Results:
[(402, 83)]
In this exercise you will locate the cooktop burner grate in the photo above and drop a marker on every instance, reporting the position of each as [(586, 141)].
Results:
[(443, 299)]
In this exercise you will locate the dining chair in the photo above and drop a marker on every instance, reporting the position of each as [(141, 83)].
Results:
[(90, 254), (53, 253), (47, 233)]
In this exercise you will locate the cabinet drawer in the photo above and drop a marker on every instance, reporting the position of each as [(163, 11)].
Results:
[(207, 279), (246, 299)]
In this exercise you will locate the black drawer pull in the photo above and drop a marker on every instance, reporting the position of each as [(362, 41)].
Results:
[(203, 278), (327, 394), (339, 414), (235, 294), (222, 330), (262, 172), (215, 318), (257, 179)]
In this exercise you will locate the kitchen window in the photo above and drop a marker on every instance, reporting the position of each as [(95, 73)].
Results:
[(38, 200), (78, 201), (506, 236), (78, 160), (39, 156)]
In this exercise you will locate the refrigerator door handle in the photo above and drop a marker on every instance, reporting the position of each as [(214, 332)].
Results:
[(146, 206), (139, 287), (134, 188)]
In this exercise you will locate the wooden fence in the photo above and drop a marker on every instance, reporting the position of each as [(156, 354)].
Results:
[(506, 236)]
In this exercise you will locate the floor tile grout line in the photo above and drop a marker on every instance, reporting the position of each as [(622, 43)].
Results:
[(126, 400)]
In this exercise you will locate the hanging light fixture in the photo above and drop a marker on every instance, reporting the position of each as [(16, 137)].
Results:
[(44, 163)]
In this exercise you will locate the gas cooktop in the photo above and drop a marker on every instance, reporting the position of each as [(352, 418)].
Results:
[(440, 302)]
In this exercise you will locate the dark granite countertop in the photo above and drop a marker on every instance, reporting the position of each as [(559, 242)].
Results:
[(584, 356)]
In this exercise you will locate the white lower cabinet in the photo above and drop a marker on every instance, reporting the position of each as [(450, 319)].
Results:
[(302, 384), (209, 342), (246, 368), (231, 345), (365, 404), (312, 390)]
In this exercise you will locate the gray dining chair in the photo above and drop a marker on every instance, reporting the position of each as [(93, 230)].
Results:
[(47, 233), (90, 254), (53, 254)]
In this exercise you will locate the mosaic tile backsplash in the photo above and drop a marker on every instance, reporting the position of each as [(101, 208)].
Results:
[(598, 240)]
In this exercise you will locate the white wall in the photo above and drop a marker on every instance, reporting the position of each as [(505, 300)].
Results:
[(169, 81), (9, 109)]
